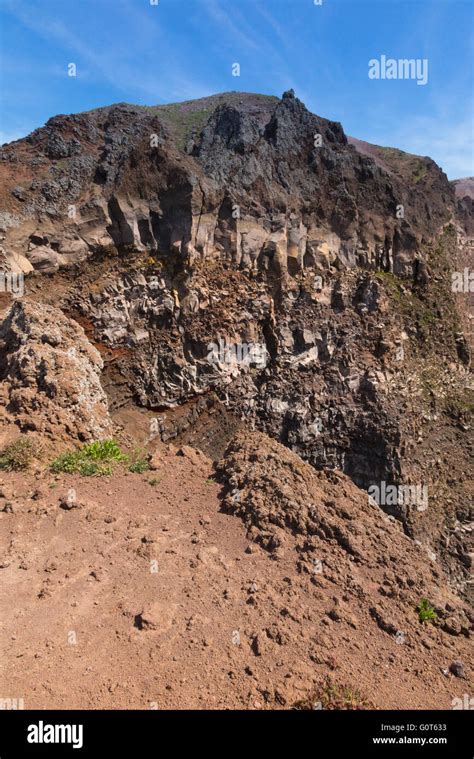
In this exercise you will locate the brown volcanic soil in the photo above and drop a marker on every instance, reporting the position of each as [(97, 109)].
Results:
[(87, 571)]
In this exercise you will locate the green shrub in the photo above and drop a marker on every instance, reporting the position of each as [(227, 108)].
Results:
[(17, 456), (139, 466), (96, 458), (426, 613), (103, 450), (67, 462), (93, 468)]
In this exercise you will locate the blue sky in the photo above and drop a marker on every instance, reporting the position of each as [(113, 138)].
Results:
[(132, 51)]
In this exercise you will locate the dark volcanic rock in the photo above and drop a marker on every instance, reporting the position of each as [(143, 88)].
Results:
[(189, 238)]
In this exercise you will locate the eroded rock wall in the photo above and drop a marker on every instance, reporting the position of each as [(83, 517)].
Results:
[(50, 375)]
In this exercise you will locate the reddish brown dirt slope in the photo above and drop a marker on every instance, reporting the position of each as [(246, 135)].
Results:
[(223, 622)]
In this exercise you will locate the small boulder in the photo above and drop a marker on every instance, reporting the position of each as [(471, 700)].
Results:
[(457, 668), (156, 461), (156, 616), (452, 626)]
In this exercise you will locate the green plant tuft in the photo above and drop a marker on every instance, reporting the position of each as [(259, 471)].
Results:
[(426, 613), (333, 696), (17, 456), (139, 466), (94, 459)]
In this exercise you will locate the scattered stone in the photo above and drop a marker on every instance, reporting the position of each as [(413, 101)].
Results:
[(259, 644), (156, 461), (156, 616), (457, 668), (452, 626)]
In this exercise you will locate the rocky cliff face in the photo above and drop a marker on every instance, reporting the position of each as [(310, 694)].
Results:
[(50, 375), (240, 253), (265, 183)]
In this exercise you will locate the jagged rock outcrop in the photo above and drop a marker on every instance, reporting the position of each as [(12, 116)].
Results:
[(190, 238), (265, 184), (50, 375), (278, 496)]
